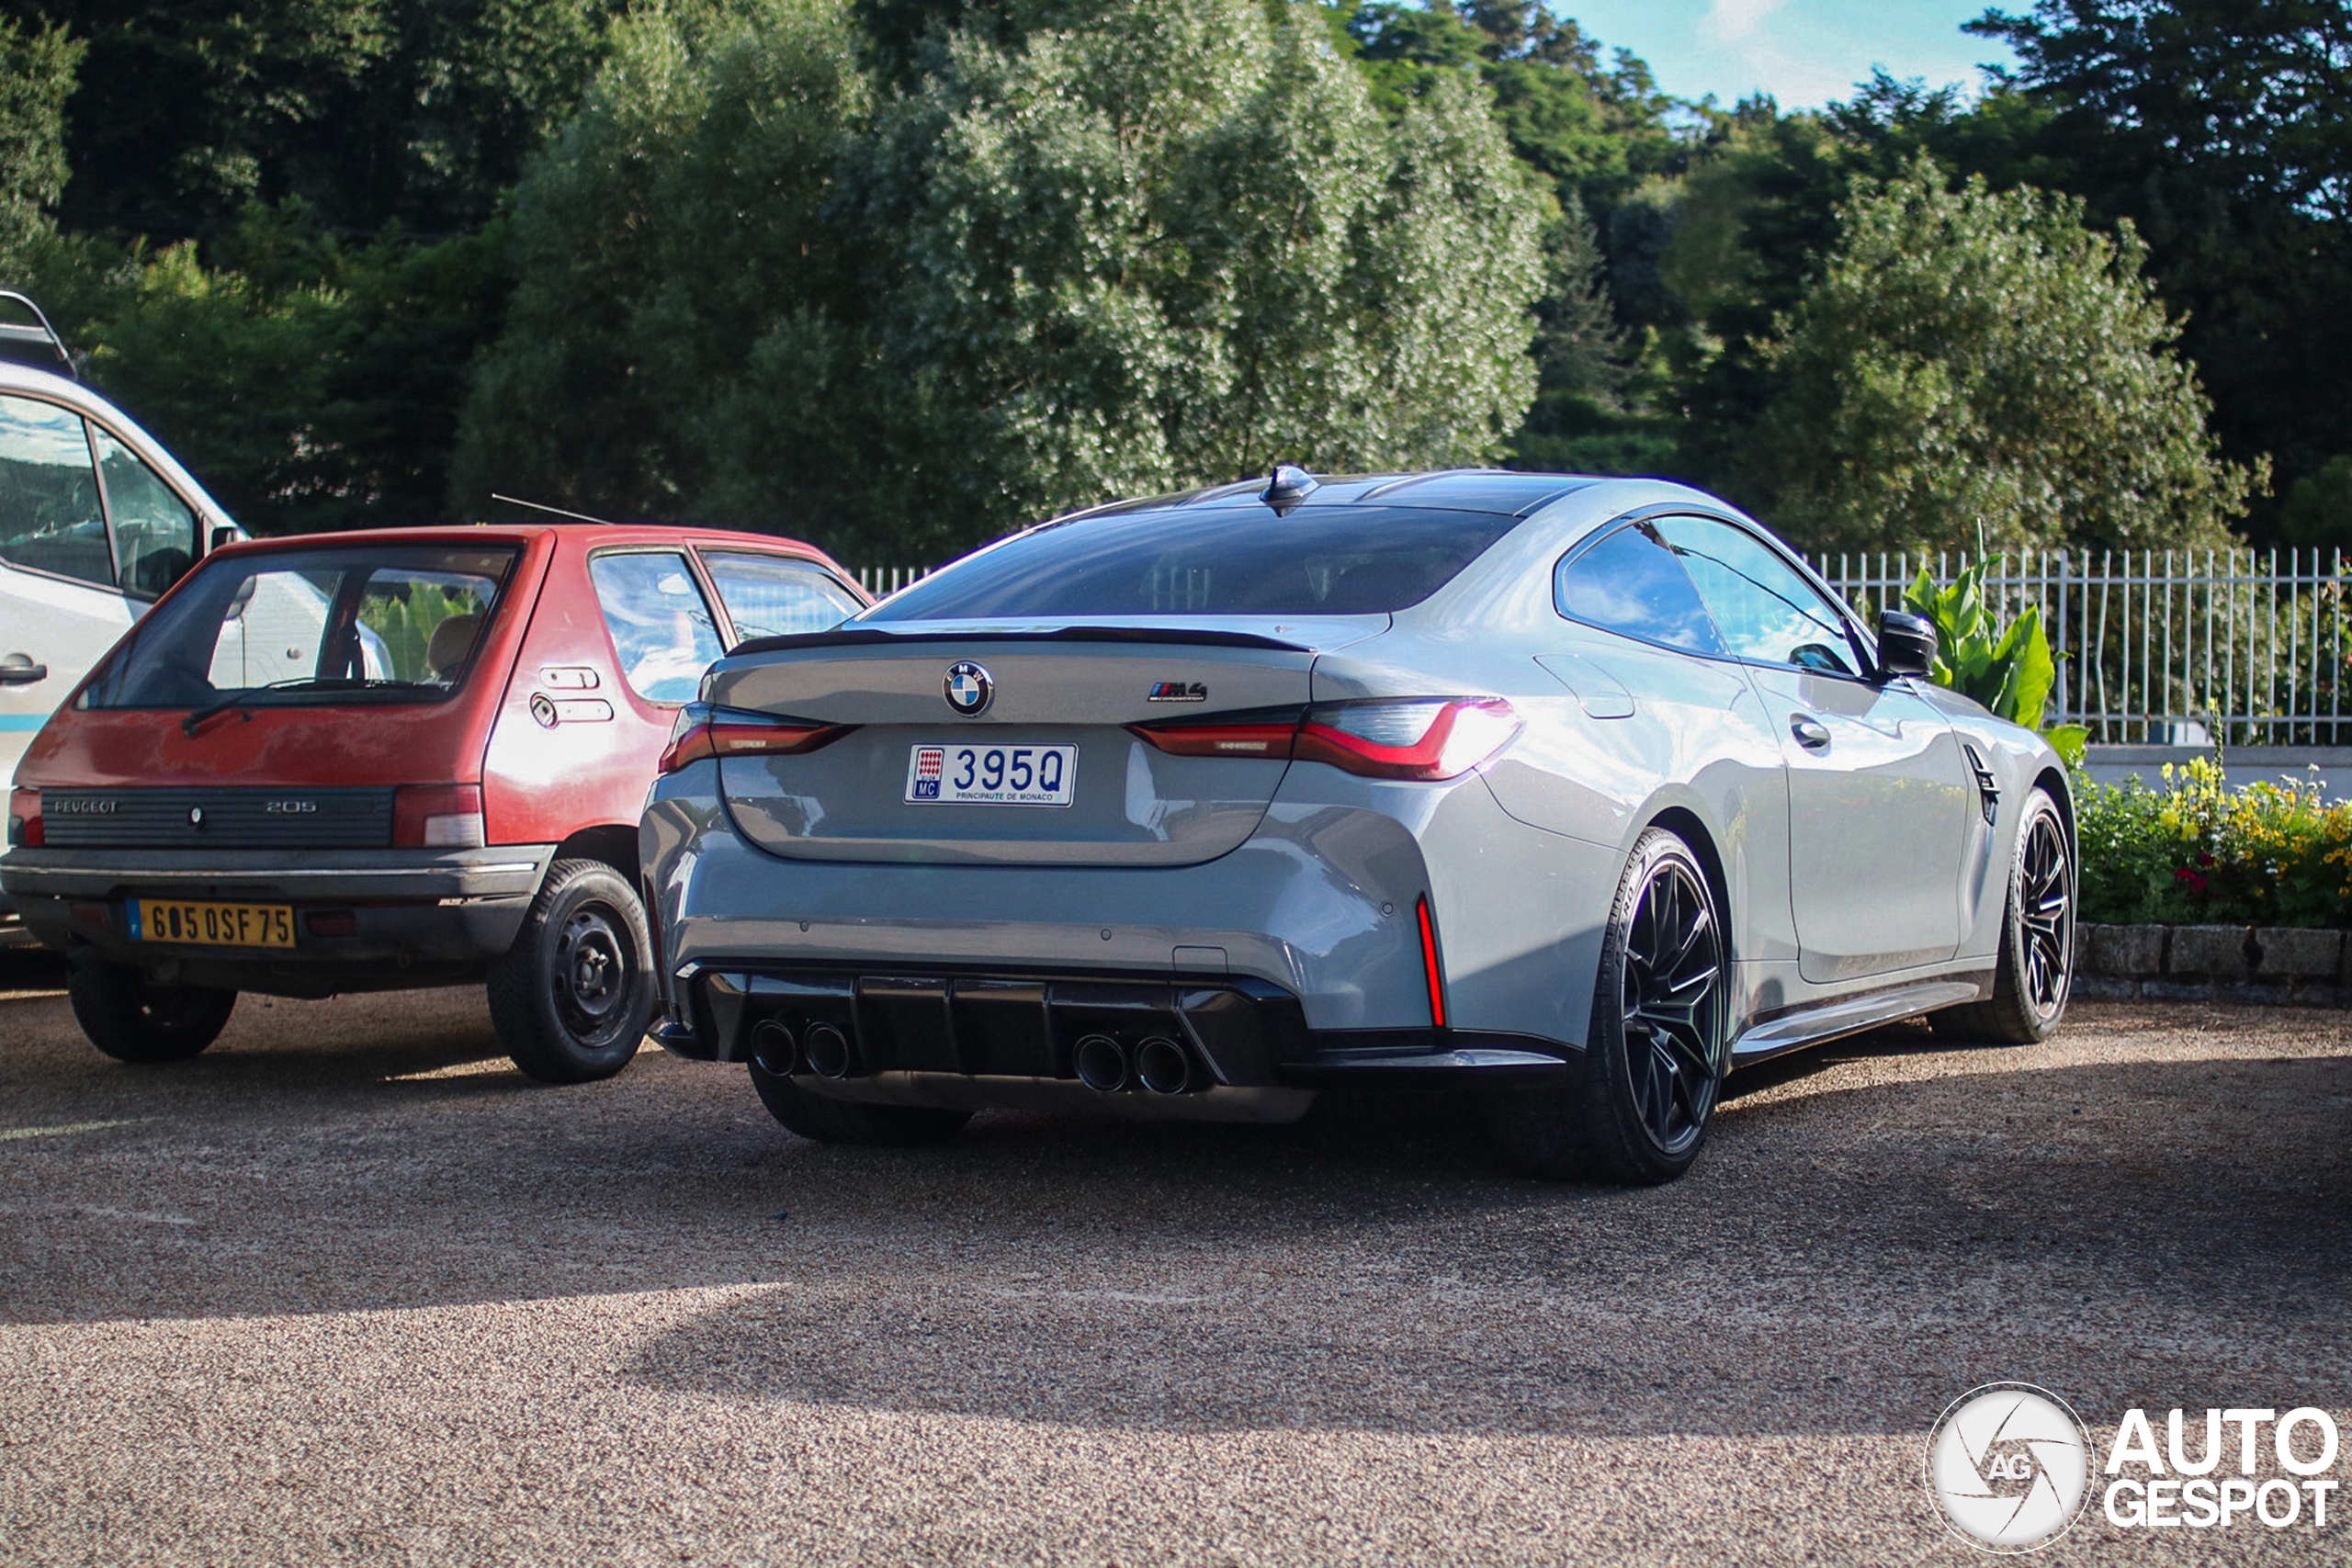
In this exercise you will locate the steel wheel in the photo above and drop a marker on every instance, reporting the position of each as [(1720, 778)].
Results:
[(2046, 909), (591, 973), (1672, 1005)]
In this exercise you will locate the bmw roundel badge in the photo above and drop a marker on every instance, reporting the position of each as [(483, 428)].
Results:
[(969, 688)]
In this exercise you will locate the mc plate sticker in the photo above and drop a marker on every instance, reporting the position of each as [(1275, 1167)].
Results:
[(992, 775)]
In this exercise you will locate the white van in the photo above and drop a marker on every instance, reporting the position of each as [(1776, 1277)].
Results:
[(95, 520)]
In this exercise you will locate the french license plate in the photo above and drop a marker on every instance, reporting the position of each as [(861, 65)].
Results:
[(210, 925), (992, 775)]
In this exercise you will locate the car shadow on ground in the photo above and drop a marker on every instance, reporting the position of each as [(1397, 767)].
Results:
[(1886, 1211)]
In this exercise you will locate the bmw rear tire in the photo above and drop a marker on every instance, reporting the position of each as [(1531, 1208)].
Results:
[(1643, 1096), (829, 1121), (134, 1018), (571, 999)]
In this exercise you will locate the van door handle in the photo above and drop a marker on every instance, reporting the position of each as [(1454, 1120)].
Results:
[(1811, 733), (19, 670)]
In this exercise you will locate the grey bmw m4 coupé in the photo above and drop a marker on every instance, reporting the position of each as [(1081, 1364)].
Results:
[(1575, 794)]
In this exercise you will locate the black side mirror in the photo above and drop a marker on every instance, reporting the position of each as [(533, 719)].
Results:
[(225, 534), (1906, 644)]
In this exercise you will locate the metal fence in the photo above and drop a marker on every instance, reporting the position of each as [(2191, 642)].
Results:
[(2250, 647), (881, 580), (2182, 647)]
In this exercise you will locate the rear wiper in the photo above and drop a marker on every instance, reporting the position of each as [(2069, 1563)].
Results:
[(298, 684)]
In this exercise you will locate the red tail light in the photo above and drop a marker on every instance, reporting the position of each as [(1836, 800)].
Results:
[(704, 731), (1221, 740), (24, 820), (1431, 968), (437, 816), (1414, 738)]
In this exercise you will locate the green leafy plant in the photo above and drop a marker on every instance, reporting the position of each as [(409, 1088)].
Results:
[(2009, 669)]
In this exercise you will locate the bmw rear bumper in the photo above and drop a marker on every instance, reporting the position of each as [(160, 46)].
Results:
[(1291, 963), (972, 1038)]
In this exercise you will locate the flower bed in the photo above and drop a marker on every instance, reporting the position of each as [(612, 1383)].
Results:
[(2198, 852)]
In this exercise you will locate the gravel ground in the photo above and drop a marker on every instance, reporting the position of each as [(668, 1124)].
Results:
[(348, 1288)]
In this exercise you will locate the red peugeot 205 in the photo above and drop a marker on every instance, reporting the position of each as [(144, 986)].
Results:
[(386, 759)]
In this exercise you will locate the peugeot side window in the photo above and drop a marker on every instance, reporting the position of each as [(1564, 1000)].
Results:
[(661, 627), (776, 596)]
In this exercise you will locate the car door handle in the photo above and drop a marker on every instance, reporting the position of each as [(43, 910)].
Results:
[(1811, 733), (19, 670)]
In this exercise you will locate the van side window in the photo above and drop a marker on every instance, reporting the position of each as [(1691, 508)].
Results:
[(49, 516), (662, 628), (155, 530), (774, 595)]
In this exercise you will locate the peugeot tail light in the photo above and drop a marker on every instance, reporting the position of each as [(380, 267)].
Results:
[(703, 731), (439, 816), (24, 820)]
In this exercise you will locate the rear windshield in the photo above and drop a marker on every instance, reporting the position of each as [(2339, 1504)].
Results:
[(331, 624), (1332, 560)]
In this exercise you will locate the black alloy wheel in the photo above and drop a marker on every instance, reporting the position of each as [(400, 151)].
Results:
[(1672, 991), (2046, 911), (1636, 1106), (2035, 971)]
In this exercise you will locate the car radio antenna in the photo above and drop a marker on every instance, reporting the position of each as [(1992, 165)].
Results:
[(560, 512)]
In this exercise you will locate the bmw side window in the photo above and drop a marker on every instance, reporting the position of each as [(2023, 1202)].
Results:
[(155, 530), (1765, 609), (1633, 581), (50, 518), (776, 596), (661, 627)]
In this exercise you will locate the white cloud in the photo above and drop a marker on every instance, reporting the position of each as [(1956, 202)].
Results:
[(1733, 21)]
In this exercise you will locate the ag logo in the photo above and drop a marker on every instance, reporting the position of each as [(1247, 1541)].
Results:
[(969, 688), (2008, 1465)]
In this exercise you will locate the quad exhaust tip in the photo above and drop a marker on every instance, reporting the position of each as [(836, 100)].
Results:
[(1163, 1067), (1102, 1064), (827, 1051), (774, 1050)]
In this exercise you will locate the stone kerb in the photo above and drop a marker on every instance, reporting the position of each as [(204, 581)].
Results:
[(2247, 963)]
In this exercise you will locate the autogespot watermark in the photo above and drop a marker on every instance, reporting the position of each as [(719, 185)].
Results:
[(2009, 1468), (2008, 1464)]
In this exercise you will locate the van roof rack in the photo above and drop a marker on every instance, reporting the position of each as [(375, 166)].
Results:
[(35, 345)]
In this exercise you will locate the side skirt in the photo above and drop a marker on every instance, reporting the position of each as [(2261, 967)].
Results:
[(1799, 1027)]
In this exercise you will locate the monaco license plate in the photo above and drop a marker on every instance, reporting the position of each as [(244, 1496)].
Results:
[(992, 775), (208, 924)]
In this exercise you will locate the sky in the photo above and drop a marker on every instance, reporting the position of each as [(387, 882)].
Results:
[(1804, 52)]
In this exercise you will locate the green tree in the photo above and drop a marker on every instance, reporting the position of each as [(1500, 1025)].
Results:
[(2223, 129), (371, 111), (1976, 359), (1171, 244), (35, 77)]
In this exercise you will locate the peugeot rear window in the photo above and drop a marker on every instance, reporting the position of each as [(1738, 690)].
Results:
[(372, 623), (1330, 560)]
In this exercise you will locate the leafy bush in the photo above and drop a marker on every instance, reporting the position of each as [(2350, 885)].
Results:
[(2196, 851), (2009, 669)]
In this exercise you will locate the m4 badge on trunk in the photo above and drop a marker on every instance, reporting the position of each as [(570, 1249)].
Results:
[(1178, 692)]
